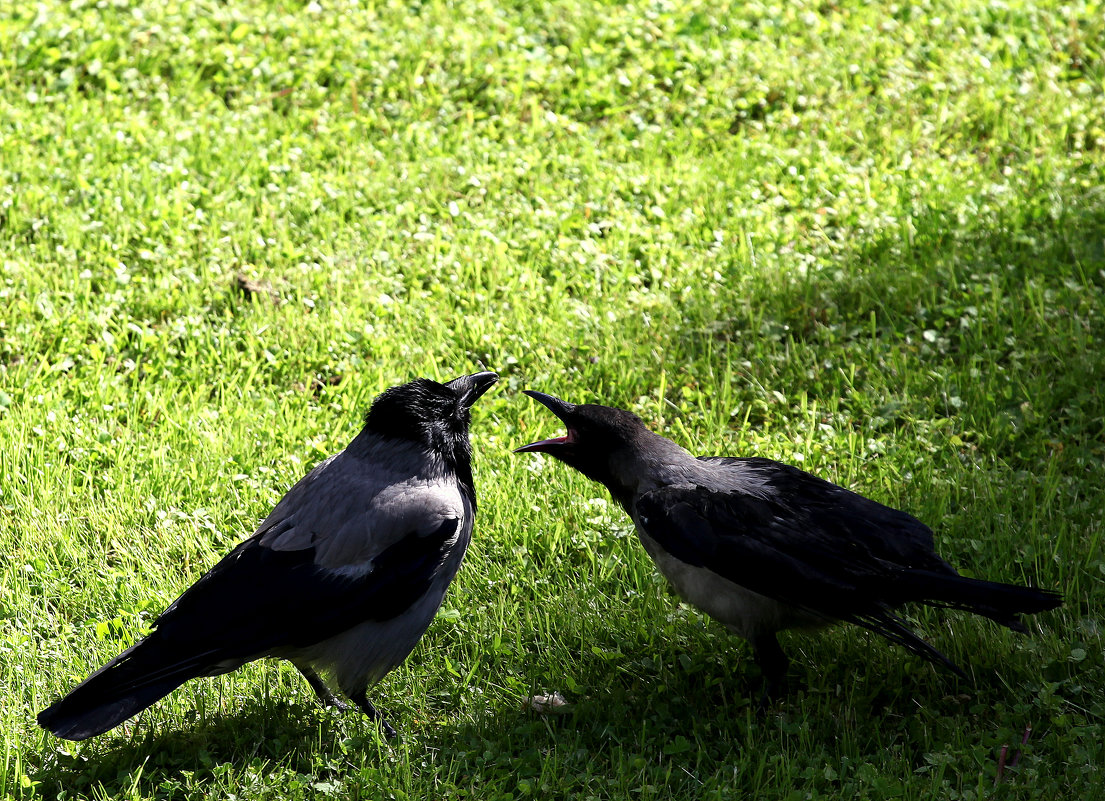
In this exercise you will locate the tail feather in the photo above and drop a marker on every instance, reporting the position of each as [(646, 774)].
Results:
[(890, 626), (1002, 603), (137, 678)]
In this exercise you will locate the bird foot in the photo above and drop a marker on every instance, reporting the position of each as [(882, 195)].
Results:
[(389, 731), (772, 694), (336, 703), (324, 694), (361, 700)]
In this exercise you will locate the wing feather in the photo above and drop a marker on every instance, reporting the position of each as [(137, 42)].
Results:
[(814, 558)]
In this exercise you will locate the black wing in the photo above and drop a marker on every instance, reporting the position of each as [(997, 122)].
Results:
[(257, 599), (829, 512), (810, 544)]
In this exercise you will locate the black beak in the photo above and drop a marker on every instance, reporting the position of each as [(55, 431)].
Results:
[(558, 407), (469, 388), (561, 409)]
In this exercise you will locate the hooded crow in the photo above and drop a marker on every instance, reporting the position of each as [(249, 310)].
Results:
[(341, 579), (762, 546)]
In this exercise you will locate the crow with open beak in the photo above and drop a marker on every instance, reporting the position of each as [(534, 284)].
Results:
[(762, 546), (342, 578)]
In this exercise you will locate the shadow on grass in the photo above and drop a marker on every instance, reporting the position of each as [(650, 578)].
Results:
[(695, 723), (1002, 312), (187, 752), (660, 703)]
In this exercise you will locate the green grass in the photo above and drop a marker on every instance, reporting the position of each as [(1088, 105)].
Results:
[(868, 240)]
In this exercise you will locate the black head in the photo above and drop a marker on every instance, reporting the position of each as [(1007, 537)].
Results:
[(430, 414), (601, 442)]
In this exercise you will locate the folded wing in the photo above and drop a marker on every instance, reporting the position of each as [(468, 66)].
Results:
[(819, 556)]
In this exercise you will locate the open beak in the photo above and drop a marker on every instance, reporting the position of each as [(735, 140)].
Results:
[(561, 409), (472, 387)]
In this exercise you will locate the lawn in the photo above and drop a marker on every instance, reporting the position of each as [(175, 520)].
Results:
[(865, 239)]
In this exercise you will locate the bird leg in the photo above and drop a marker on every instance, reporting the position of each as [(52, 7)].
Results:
[(328, 698), (773, 664), (361, 700), (324, 693)]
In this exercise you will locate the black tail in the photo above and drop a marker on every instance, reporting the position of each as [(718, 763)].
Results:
[(143, 674), (999, 602), (1002, 603)]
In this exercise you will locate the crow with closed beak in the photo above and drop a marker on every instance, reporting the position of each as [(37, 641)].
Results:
[(341, 579), (762, 546)]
